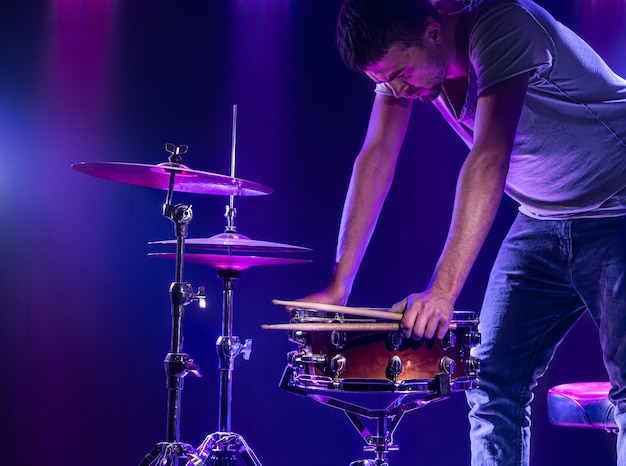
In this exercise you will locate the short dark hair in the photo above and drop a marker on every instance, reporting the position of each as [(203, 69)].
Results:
[(366, 29)]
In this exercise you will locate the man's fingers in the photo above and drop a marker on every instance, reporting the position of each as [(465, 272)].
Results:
[(431, 328), (400, 307), (442, 329)]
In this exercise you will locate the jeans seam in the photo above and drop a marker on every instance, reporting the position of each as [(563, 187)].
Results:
[(530, 367)]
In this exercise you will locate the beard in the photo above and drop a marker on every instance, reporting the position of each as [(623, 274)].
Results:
[(432, 93), (435, 72)]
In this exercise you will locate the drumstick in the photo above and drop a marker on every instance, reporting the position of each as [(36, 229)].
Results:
[(329, 327), (394, 313)]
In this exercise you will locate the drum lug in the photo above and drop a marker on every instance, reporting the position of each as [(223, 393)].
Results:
[(447, 365), (394, 341), (473, 339), (394, 368), (448, 341), (338, 365), (474, 364), (298, 336), (338, 339)]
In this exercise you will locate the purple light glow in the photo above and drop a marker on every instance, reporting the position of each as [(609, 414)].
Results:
[(595, 18), (77, 82), (85, 321), (583, 404), (583, 390)]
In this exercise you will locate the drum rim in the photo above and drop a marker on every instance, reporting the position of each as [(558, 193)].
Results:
[(358, 385), (458, 316)]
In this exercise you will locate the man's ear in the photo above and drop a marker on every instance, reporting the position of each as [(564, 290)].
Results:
[(432, 31)]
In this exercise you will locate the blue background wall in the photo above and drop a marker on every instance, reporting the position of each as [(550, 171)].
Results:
[(85, 313)]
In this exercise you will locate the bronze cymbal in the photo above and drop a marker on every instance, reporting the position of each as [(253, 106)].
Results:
[(235, 242), (158, 177), (230, 262)]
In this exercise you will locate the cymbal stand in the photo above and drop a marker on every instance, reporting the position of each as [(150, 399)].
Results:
[(222, 447), (382, 442), (177, 364)]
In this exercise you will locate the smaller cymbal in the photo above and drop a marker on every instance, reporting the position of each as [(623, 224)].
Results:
[(230, 262), (158, 177), (235, 242)]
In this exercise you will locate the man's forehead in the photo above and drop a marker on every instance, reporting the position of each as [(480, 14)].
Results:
[(383, 69), (375, 73)]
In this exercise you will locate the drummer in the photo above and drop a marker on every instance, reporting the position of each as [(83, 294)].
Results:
[(544, 120)]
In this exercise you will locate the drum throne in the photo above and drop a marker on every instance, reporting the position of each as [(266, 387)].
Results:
[(582, 404)]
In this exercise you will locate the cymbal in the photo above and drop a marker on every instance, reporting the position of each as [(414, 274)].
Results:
[(158, 177), (235, 242), (230, 262)]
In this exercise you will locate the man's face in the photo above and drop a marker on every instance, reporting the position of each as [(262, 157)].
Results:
[(412, 72)]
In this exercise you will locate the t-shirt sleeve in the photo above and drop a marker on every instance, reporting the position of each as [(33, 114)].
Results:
[(383, 88), (505, 42)]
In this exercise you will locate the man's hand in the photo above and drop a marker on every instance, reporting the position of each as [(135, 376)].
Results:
[(426, 315), (331, 295)]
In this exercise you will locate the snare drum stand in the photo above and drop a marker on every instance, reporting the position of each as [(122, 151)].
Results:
[(382, 442), (177, 364), (222, 447)]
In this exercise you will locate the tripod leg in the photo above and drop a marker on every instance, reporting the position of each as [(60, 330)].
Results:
[(153, 455), (248, 456), (192, 456), (369, 463), (223, 458), (222, 448), (167, 454)]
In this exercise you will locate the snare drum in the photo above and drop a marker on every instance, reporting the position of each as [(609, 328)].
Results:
[(379, 361)]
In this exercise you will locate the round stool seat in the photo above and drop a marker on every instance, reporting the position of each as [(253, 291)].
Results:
[(584, 404)]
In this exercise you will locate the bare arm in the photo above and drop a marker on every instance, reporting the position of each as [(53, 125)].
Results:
[(371, 179), (479, 190)]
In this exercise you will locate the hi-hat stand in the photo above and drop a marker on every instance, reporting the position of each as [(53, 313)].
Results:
[(177, 364), (221, 448)]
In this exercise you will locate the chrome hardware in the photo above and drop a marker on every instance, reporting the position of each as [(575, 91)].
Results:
[(300, 358), (338, 339), (474, 364), (394, 368), (447, 365), (246, 349), (312, 359), (297, 336), (394, 341), (448, 341), (338, 364), (473, 339)]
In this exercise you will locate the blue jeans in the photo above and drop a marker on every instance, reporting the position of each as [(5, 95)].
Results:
[(546, 275)]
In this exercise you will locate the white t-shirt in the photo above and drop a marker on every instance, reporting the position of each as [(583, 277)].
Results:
[(569, 154)]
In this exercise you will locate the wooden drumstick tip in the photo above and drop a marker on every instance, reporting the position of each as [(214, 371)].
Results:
[(288, 305)]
